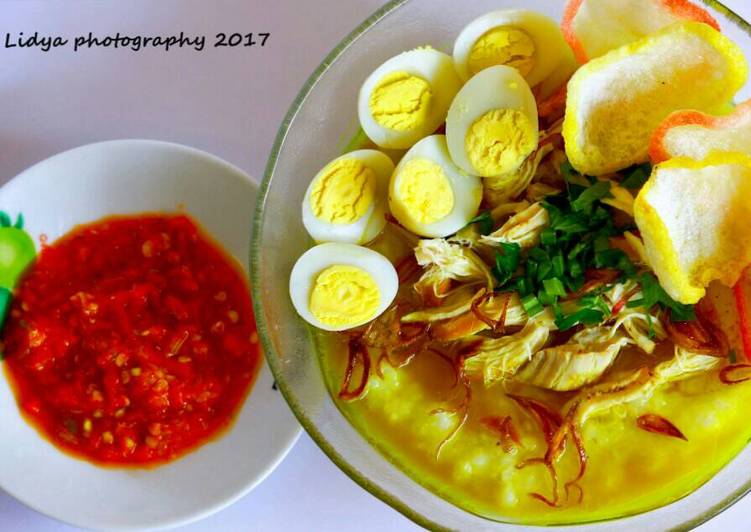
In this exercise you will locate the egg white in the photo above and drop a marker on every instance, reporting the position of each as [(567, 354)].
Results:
[(498, 87), (368, 226), (320, 257), (467, 190), (431, 65), (544, 32)]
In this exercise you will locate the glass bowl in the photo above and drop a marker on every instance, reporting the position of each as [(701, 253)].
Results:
[(317, 128)]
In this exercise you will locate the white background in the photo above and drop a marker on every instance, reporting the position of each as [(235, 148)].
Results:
[(225, 101)]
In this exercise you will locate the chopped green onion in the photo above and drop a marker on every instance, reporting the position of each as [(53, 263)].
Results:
[(602, 243), (637, 176), (608, 258), (531, 305), (4, 219), (545, 298), (575, 269), (571, 223), (596, 192), (547, 237), (595, 302), (559, 265), (544, 270), (577, 249), (568, 172), (484, 221), (581, 317), (554, 287), (523, 286), (653, 294), (506, 263)]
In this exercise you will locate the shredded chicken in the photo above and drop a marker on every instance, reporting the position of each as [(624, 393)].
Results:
[(455, 303), (453, 261), (640, 384), (523, 228), (579, 362), (500, 358)]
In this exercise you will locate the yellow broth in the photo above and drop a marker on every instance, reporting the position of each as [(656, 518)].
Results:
[(629, 470)]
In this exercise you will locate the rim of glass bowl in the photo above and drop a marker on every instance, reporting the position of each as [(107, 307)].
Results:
[(273, 358)]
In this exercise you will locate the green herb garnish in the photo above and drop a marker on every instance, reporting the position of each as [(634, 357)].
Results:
[(532, 305), (636, 176), (653, 294), (506, 262), (579, 239), (484, 221)]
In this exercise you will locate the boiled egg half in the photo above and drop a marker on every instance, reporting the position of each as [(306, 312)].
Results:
[(429, 194), (407, 97), (346, 201), (491, 126), (341, 286), (525, 40)]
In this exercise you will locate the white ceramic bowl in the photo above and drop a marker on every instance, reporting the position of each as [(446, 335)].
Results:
[(126, 177)]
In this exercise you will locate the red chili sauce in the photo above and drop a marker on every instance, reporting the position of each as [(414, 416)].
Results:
[(132, 340)]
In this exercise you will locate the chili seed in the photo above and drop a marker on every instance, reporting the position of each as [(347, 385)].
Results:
[(221, 296), (147, 249), (233, 316), (108, 438), (254, 338), (87, 425), (36, 338), (136, 372)]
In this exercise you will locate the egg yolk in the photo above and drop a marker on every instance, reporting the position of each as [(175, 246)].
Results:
[(344, 295), (504, 45), (401, 101), (424, 191), (343, 192), (499, 141)]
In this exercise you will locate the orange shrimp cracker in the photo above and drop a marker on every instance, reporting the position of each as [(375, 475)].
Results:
[(694, 218), (616, 101), (594, 27), (695, 135)]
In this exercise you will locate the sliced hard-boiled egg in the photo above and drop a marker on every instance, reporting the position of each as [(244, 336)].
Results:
[(528, 41), (406, 98), (346, 201), (491, 126), (340, 286), (695, 218), (429, 194)]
